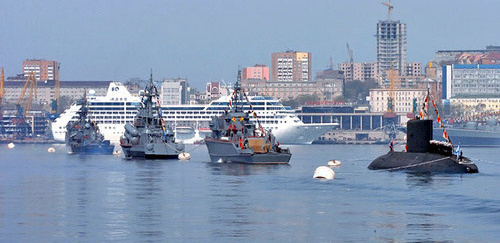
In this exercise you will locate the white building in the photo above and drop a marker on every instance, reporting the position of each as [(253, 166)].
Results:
[(403, 103)]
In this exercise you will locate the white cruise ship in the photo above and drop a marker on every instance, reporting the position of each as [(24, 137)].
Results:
[(118, 107)]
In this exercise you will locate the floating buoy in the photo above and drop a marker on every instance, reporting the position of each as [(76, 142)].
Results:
[(184, 156), (324, 172), (51, 150), (334, 163), (11, 145)]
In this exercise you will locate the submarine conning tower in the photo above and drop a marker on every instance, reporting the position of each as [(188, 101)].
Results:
[(418, 136)]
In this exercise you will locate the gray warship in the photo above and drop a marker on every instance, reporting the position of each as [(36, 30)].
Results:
[(83, 136), (148, 137), (237, 140)]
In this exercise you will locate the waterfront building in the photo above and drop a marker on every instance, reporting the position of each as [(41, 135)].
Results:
[(174, 91), (362, 71), (471, 81), (403, 99), (43, 69), (258, 71), (69, 90), (291, 66), (476, 105), (391, 45), (214, 90)]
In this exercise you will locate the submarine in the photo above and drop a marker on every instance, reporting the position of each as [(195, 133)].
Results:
[(423, 154)]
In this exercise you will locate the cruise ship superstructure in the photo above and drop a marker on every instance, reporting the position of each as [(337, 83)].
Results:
[(119, 106)]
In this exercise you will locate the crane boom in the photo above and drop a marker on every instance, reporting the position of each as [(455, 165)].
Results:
[(389, 10)]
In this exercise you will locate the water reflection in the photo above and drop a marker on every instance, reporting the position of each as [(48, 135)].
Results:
[(237, 169)]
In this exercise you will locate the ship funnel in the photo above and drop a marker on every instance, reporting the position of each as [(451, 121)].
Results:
[(419, 135)]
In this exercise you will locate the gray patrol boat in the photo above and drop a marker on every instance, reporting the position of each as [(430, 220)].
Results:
[(83, 136), (235, 139), (148, 137)]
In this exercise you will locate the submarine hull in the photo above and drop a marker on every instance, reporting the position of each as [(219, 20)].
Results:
[(423, 162)]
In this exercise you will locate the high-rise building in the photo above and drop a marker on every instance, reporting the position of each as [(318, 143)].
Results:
[(43, 69), (174, 92), (258, 71), (291, 66), (362, 71), (391, 46)]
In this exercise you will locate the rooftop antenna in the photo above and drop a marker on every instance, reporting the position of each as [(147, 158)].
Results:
[(390, 7)]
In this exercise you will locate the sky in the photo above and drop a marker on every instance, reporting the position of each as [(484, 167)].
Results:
[(209, 40)]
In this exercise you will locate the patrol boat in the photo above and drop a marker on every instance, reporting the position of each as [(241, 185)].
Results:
[(236, 139), (148, 137), (83, 136)]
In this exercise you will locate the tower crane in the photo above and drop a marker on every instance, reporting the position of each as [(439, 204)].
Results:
[(390, 7)]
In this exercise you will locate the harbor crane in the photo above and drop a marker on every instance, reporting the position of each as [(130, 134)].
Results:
[(389, 10)]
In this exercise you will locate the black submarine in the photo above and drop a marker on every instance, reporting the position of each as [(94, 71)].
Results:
[(423, 154)]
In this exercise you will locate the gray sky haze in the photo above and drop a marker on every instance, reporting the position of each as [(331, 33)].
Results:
[(207, 40)]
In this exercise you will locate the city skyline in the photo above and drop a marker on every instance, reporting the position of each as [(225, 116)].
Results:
[(207, 41)]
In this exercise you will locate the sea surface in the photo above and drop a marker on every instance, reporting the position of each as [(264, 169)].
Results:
[(61, 197)]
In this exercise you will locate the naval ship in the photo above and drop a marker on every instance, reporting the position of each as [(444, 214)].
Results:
[(236, 139), (118, 107), (83, 136), (149, 137)]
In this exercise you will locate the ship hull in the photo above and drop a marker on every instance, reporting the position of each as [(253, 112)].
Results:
[(423, 162), (93, 149), (302, 133), (222, 151), (150, 151), (469, 137)]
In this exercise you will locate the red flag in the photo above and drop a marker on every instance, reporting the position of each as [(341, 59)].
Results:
[(439, 119), (445, 134), (433, 104)]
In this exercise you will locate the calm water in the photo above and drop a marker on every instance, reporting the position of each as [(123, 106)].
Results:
[(47, 197)]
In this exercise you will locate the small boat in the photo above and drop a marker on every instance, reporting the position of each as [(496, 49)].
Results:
[(83, 136), (235, 139)]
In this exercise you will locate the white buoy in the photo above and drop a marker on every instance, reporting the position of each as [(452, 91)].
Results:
[(11, 145), (334, 163), (324, 172), (51, 150), (184, 156)]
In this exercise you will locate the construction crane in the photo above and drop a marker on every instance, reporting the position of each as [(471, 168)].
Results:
[(390, 7), (351, 62)]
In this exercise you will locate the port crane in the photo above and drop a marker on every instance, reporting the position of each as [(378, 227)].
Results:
[(23, 106), (392, 94)]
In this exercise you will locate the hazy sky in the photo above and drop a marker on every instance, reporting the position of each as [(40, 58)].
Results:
[(208, 40)]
